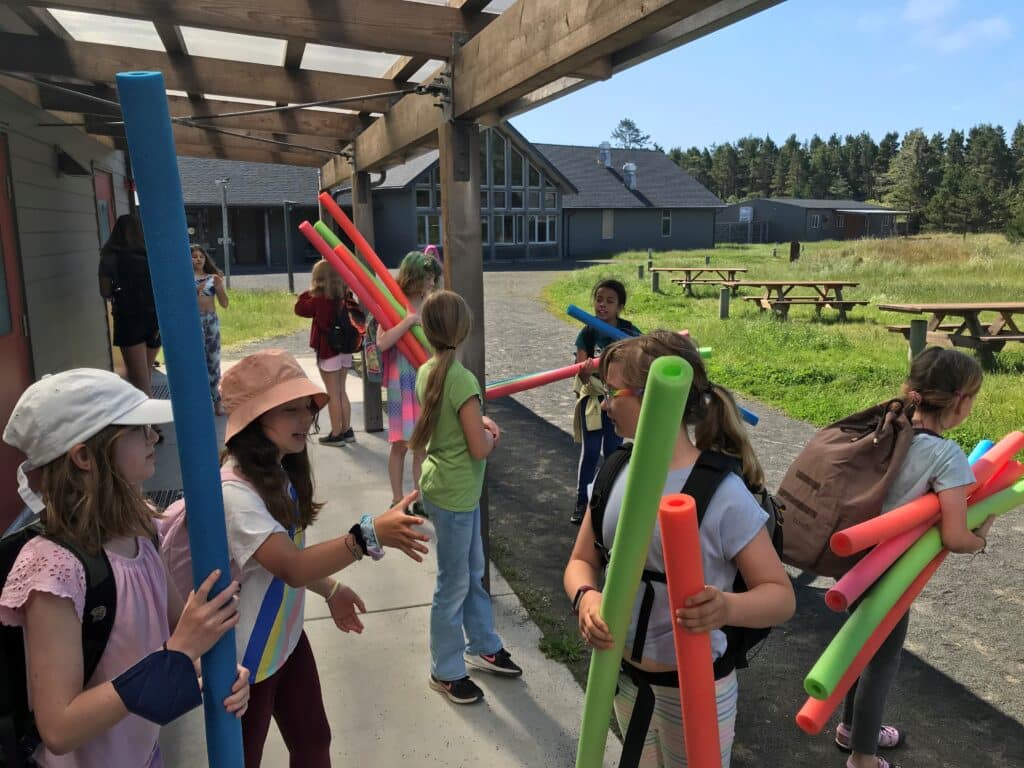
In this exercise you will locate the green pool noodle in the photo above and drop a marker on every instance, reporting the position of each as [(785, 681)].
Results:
[(661, 414), (833, 663), (334, 242)]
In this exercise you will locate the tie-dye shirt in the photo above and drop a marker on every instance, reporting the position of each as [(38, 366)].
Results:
[(271, 612)]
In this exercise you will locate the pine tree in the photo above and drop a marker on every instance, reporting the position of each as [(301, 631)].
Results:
[(913, 176), (628, 136), (1017, 153)]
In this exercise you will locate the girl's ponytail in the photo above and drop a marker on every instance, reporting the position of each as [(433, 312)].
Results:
[(446, 322), (721, 429)]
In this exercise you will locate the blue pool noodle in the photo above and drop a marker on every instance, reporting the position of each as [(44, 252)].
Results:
[(980, 450), (147, 124), (618, 334)]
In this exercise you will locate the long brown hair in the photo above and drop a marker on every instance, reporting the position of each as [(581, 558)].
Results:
[(710, 408), (88, 508), (257, 458), (939, 379), (209, 267), (447, 321), (126, 234)]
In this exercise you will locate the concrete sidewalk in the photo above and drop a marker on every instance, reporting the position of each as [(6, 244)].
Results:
[(375, 684)]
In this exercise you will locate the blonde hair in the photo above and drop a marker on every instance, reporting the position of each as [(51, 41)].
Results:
[(446, 321), (417, 267), (325, 281), (89, 507), (710, 408)]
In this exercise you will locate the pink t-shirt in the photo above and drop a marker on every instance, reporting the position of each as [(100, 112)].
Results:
[(140, 627)]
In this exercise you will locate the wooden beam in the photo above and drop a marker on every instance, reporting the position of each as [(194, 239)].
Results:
[(170, 36), (405, 67), (293, 54), (42, 21), (393, 26), (520, 52), (100, 63), (246, 155), (362, 217), (184, 134)]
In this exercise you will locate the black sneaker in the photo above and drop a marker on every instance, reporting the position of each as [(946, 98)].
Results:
[(417, 509), (578, 513), (461, 691), (335, 440), (348, 436), (499, 663)]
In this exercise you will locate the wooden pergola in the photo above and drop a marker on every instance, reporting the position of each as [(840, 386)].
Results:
[(488, 67)]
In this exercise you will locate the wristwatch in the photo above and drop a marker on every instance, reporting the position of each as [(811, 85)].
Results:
[(579, 596)]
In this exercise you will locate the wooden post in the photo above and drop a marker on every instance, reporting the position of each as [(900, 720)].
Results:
[(655, 281), (362, 217), (723, 302), (918, 337), (650, 259), (459, 145), (639, 271)]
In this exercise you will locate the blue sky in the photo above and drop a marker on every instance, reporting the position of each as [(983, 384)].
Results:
[(813, 66)]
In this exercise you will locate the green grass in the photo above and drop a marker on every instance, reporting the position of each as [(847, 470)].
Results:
[(258, 315), (822, 370)]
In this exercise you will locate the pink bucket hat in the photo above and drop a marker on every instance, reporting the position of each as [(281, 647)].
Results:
[(262, 381)]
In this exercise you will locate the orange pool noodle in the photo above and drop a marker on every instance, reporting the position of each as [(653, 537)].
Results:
[(815, 713), (680, 540)]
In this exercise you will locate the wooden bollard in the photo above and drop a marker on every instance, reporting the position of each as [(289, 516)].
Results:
[(654, 281), (918, 337), (639, 271), (723, 302)]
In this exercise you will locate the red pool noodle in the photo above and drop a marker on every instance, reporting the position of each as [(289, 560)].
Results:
[(363, 247), (537, 380), (863, 535), (353, 281), (852, 585), (680, 541), (815, 713), (407, 344)]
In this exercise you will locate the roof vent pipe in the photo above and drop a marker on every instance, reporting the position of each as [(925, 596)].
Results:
[(629, 175), (604, 154)]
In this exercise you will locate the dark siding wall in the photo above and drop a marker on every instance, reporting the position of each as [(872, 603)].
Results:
[(394, 224), (636, 230)]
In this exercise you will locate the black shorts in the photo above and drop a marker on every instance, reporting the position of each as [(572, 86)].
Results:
[(130, 330)]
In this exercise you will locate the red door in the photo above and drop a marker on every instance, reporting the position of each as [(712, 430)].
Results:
[(103, 185), (14, 344)]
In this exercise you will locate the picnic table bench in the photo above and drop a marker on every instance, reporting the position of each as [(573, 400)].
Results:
[(777, 295), (985, 337), (704, 274)]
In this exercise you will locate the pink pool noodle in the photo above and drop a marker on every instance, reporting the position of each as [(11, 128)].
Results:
[(815, 713), (856, 581), (363, 247), (680, 540), (537, 379)]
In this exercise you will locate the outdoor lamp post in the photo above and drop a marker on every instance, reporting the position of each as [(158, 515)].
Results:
[(225, 229), (286, 208)]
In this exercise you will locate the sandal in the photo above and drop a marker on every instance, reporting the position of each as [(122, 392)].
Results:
[(882, 763), (889, 737)]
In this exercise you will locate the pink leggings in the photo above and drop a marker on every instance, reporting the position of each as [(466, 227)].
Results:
[(292, 697)]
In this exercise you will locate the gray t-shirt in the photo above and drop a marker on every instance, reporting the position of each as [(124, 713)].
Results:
[(731, 521), (932, 464)]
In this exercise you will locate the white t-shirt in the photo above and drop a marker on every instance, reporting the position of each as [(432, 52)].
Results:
[(731, 521), (271, 612), (932, 464)]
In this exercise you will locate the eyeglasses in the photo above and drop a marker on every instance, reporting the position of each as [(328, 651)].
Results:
[(614, 393), (146, 430)]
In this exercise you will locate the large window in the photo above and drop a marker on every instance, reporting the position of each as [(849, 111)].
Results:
[(423, 197), (498, 177), (550, 199), (428, 229), (500, 199), (815, 221), (534, 178), (607, 224), (840, 221), (542, 229), (516, 199), (666, 223), (516, 171), (508, 229), (485, 229)]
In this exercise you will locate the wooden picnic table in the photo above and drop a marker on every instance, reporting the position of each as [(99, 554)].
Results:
[(778, 297), (703, 275), (968, 329)]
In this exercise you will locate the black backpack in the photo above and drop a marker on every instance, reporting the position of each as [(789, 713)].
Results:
[(18, 734), (343, 336), (705, 477)]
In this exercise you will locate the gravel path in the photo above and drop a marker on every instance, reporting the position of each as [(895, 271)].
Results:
[(961, 690)]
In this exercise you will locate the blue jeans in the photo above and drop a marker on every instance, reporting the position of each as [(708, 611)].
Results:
[(460, 601), (595, 443)]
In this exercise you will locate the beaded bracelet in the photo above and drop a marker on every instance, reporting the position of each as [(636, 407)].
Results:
[(333, 592)]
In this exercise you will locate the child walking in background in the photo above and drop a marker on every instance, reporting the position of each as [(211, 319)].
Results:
[(210, 291), (418, 276), (327, 303), (591, 425), (457, 438), (271, 405), (732, 536), (89, 433), (940, 389)]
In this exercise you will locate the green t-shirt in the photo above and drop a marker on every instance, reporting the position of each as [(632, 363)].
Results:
[(451, 479)]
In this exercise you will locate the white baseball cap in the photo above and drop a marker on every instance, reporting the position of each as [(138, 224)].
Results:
[(64, 409)]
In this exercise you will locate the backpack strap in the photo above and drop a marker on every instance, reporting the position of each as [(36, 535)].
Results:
[(100, 606), (603, 484)]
